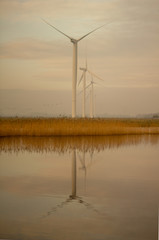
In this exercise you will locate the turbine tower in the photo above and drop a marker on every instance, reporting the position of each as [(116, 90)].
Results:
[(74, 69), (83, 76), (73, 196), (92, 99)]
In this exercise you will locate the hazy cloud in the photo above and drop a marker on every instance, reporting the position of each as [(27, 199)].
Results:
[(33, 49), (120, 10), (125, 53)]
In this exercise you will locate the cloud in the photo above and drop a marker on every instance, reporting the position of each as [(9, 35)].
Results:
[(97, 10), (125, 49), (33, 49), (111, 45)]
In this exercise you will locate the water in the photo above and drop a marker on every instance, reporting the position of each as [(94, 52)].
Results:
[(92, 188)]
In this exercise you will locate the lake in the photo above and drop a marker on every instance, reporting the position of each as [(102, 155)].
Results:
[(82, 188)]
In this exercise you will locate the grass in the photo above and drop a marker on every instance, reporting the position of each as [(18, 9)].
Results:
[(76, 127)]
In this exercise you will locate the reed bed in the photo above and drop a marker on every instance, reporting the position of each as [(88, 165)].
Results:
[(76, 127)]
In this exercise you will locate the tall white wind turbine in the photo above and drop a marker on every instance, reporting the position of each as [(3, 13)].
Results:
[(74, 70)]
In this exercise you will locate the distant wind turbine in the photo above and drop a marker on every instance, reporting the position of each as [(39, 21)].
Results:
[(74, 70), (83, 76), (92, 93)]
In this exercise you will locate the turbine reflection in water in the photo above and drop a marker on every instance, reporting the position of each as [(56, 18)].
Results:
[(73, 196)]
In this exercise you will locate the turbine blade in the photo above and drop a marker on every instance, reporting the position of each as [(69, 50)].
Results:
[(88, 86), (85, 88), (95, 75), (81, 79), (92, 32), (96, 83), (56, 29)]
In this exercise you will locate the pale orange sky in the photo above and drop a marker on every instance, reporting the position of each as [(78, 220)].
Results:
[(34, 57)]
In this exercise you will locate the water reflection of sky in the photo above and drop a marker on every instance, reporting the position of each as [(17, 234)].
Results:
[(88, 188)]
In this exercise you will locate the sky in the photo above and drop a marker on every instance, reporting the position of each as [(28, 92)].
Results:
[(36, 60)]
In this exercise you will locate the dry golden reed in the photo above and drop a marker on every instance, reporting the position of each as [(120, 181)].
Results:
[(76, 127)]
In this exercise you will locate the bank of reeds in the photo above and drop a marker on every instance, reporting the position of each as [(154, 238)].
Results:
[(76, 127)]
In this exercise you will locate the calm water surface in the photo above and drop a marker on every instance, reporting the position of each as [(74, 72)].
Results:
[(96, 188)]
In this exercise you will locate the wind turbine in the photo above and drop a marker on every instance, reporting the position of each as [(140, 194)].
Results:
[(92, 92), (74, 69), (83, 76)]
